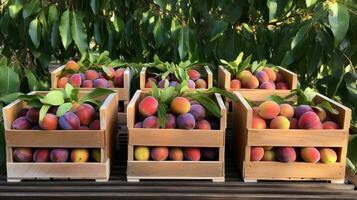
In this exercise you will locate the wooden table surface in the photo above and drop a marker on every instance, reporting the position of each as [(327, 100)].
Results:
[(118, 188)]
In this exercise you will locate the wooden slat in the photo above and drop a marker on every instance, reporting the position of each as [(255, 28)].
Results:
[(175, 137), (265, 170), (173, 169)]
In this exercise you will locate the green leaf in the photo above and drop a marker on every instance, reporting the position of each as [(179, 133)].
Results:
[(98, 92), (339, 18), (239, 58), (352, 150), (161, 113), (118, 24), (183, 42), (68, 90), (62, 109), (276, 98), (300, 35), (35, 32), (43, 111), (31, 7), (10, 97), (53, 14), (155, 90), (74, 94), (9, 80), (54, 98), (34, 83), (209, 104), (223, 93), (217, 29), (78, 32), (15, 8), (94, 4), (309, 94), (167, 94), (159, 33), (107, 71), (273, 7), (327, 106), (310, 2), (65, 29)]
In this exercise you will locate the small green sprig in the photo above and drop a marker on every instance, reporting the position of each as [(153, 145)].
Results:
[(66, 99)]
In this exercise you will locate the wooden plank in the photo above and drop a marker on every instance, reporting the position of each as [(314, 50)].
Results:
[(89, 170), (35, 138), (175, 137), (265, 170), (209, 77), (297, 138), (174, 169)]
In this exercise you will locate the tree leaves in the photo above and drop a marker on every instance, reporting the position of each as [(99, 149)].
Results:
[(158, 32), (183, 44), (310, 2), (54, 98), (35, 32), (273, 7), (9, 79), (15, 8), (78, 33), (65, 29), (31, 7), (339, 18), (300, 35)]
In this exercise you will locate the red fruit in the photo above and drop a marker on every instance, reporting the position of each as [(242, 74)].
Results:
[(95, 125), (192, 153), (49, 122), (21, 123), (256, 153), (193, 74), (75, 80), (236, 84), (110, 75), (330, 125), (69, 121), (148, 106), (33, 115), (41, 155), (62, 82), (91, 75), (281, 86), (87, 84), (86, 114), (310, 120)]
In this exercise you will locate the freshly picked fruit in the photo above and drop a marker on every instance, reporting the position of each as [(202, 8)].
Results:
[(93, 71), (175, 153), (255, 75), (294, 154), (169, 74), (282, 113), (61, 109), (178, 107), (26, 154)]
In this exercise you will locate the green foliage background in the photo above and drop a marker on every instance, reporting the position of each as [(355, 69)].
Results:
[(314, 38)]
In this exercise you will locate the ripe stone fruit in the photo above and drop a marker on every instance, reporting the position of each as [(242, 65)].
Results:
[(41, 155), (142, 153), (22, 154), (148, 106), (269, 110), (86, 114), (95, 153), (49, 122), (79, 155), (180, 105), (72, 65), (59, 155), (159, 153)]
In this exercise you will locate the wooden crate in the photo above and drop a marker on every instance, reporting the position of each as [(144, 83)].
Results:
[(211, 170), (123, 93), (103, 139), (245, 137), (144, 76)]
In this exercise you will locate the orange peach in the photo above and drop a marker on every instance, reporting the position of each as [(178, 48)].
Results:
[(269, 110), (280, 122)]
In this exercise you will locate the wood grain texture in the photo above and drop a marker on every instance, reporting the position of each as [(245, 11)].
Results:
[(245, 137), (178, 138), (103, 139)]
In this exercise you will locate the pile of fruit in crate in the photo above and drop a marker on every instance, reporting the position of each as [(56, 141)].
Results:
[(254, 75), (289, 154), (175, 153), (26, 154), (269, 114), (172, 108), (172, 74), (98, 71), (60, 109)]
